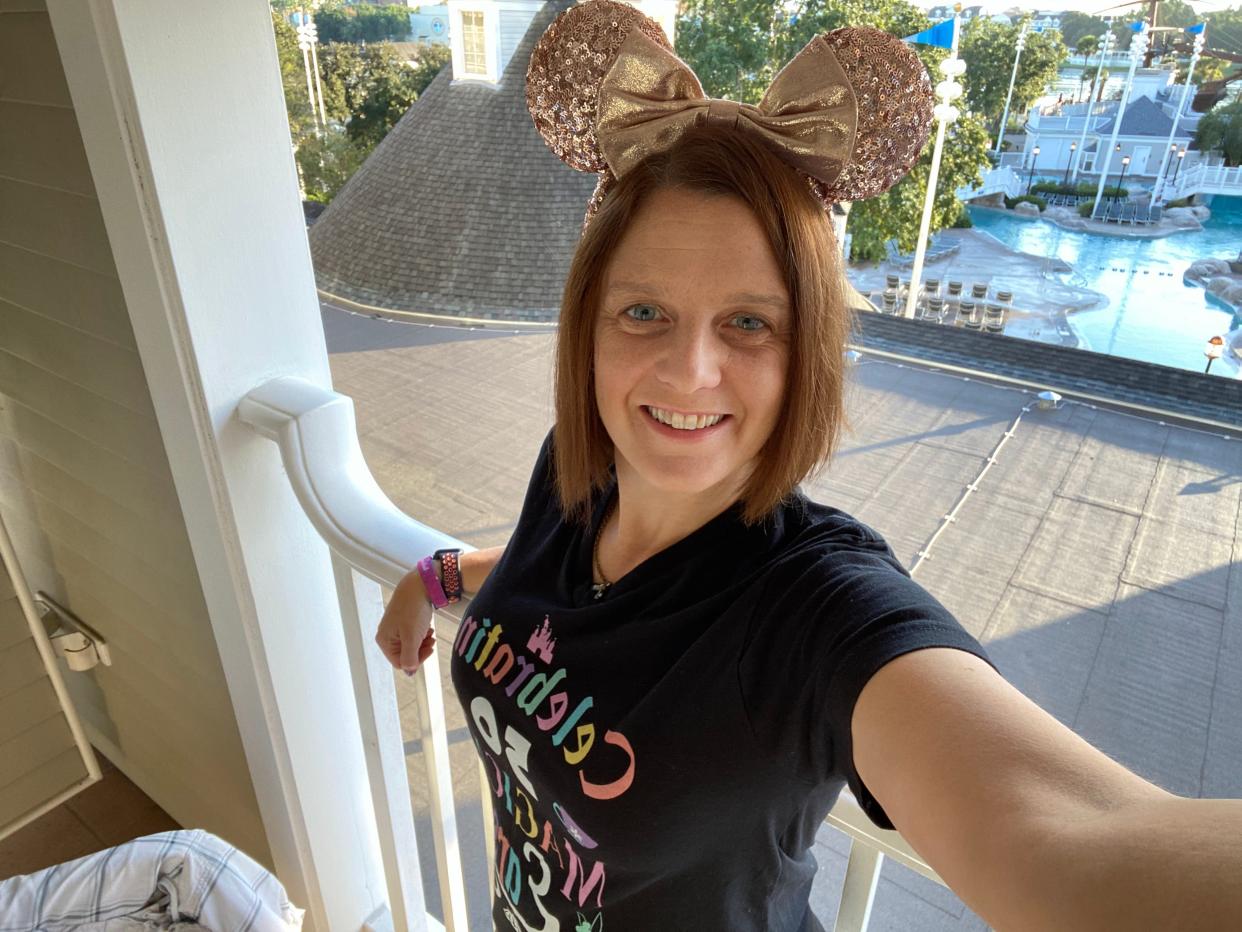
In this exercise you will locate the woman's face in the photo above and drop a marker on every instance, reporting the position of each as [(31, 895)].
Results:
[(692, 344)]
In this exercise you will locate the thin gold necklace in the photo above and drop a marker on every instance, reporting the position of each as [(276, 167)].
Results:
[(600, 589)]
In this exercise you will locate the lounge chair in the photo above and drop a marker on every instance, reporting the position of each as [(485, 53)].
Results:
[(1157, 211), (895, 256)]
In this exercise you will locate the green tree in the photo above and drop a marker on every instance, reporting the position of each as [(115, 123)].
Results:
[(1086, 46), (363, 23), (988, 49), (326, 161), (368, 89), (1221, 128), (429, 60), (897, 212), (1098, 78), (1207, 69), (325, 158), (1224, 30), (293, 77), (1075, 25), (736, 48)]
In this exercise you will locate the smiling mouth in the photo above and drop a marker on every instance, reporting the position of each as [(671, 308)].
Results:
[(679, 421)]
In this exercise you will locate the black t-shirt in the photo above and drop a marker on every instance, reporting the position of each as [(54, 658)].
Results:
[(661, 758)]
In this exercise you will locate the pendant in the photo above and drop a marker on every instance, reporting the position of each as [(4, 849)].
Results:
[(598, 590)]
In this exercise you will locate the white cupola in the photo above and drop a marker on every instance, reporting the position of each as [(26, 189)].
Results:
[(484, 34)]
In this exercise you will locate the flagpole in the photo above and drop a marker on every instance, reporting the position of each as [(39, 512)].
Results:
[(1200, 40), (948, 90), (1138, 45)]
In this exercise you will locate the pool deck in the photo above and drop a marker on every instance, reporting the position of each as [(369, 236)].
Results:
[(1041, 302), (1069, 219)]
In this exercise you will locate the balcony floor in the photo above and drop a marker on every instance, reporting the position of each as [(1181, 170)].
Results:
[(1100, 559)]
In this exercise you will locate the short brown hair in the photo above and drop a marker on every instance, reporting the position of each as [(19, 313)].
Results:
[(729, 163)]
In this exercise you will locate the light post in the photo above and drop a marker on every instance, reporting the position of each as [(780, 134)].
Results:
[(1086, 121), (1138, 46), (945, 113), (1178, 167), (1073, 149), (1019, 46), (1213, 351), (1031, 176), (1125, 163), (1198, 32)]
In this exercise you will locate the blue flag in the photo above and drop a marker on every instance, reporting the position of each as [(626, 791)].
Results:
[(940, 35), (1196, 29)]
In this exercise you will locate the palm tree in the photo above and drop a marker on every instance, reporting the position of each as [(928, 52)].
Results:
[(1086, 47)]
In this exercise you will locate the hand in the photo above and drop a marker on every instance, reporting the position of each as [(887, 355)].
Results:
[(405, 634)]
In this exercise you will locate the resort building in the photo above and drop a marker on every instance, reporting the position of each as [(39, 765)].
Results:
[(1144, 134)]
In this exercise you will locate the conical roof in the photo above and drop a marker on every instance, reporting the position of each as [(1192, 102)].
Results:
[(461, 210)]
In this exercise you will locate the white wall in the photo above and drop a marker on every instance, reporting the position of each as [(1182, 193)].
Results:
[(84, 480)]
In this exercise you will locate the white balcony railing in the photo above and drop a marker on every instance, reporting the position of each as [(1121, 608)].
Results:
[(374, 544), (1206, 179)]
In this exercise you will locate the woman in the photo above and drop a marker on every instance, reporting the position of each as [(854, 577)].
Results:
[(678, 660)]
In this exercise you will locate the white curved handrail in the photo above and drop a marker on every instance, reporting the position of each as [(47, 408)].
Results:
[(316, 432)]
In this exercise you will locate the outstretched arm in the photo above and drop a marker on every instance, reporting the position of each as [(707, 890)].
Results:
[(1028, 823), (405, 634)]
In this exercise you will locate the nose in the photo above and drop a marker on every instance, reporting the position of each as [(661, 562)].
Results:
[(694, 358)]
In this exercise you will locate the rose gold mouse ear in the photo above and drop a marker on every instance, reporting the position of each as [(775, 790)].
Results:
[(566, 68), (894, 97)]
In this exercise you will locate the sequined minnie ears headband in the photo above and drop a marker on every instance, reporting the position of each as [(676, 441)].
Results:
[(851, 112)]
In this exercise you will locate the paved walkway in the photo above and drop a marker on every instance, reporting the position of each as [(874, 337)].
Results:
[(1100, 559)]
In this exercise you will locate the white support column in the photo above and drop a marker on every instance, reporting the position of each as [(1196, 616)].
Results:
[(183, 120), (1138, 45), (1017, 57), (1177, 119), (1106, 43), (947, 90)]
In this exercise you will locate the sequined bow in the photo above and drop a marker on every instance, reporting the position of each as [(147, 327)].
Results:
[(650, 97)]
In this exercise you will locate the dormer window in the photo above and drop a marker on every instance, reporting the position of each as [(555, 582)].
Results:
[(474, 43)]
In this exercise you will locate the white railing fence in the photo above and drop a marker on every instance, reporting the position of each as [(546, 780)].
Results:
[(374, 544), (1003, 180), (1206, 179)]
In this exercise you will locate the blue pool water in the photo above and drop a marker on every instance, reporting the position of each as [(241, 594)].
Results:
[(1149, 316)]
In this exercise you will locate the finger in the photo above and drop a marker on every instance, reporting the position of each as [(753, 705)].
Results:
[(408, 655), (427, 648)]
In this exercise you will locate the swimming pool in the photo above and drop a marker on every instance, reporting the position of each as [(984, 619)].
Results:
[(1150, 315)]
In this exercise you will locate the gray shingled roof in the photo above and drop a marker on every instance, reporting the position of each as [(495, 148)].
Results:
[(1143, 118), (462, 209)]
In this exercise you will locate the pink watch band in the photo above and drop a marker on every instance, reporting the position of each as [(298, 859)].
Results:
[(431, 582)]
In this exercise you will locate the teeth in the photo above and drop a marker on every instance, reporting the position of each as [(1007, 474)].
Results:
[(684, 421)]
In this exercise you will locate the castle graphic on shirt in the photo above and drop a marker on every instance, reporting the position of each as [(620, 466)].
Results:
[(545, 864)]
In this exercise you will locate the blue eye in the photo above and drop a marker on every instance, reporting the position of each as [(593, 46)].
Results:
[(748, 323), (641, 312)]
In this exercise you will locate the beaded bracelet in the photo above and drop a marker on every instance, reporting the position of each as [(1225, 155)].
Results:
[(431, 582), (450, 573)]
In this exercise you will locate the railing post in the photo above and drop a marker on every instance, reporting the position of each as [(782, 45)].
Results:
[(862, 876), (362, 604)]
